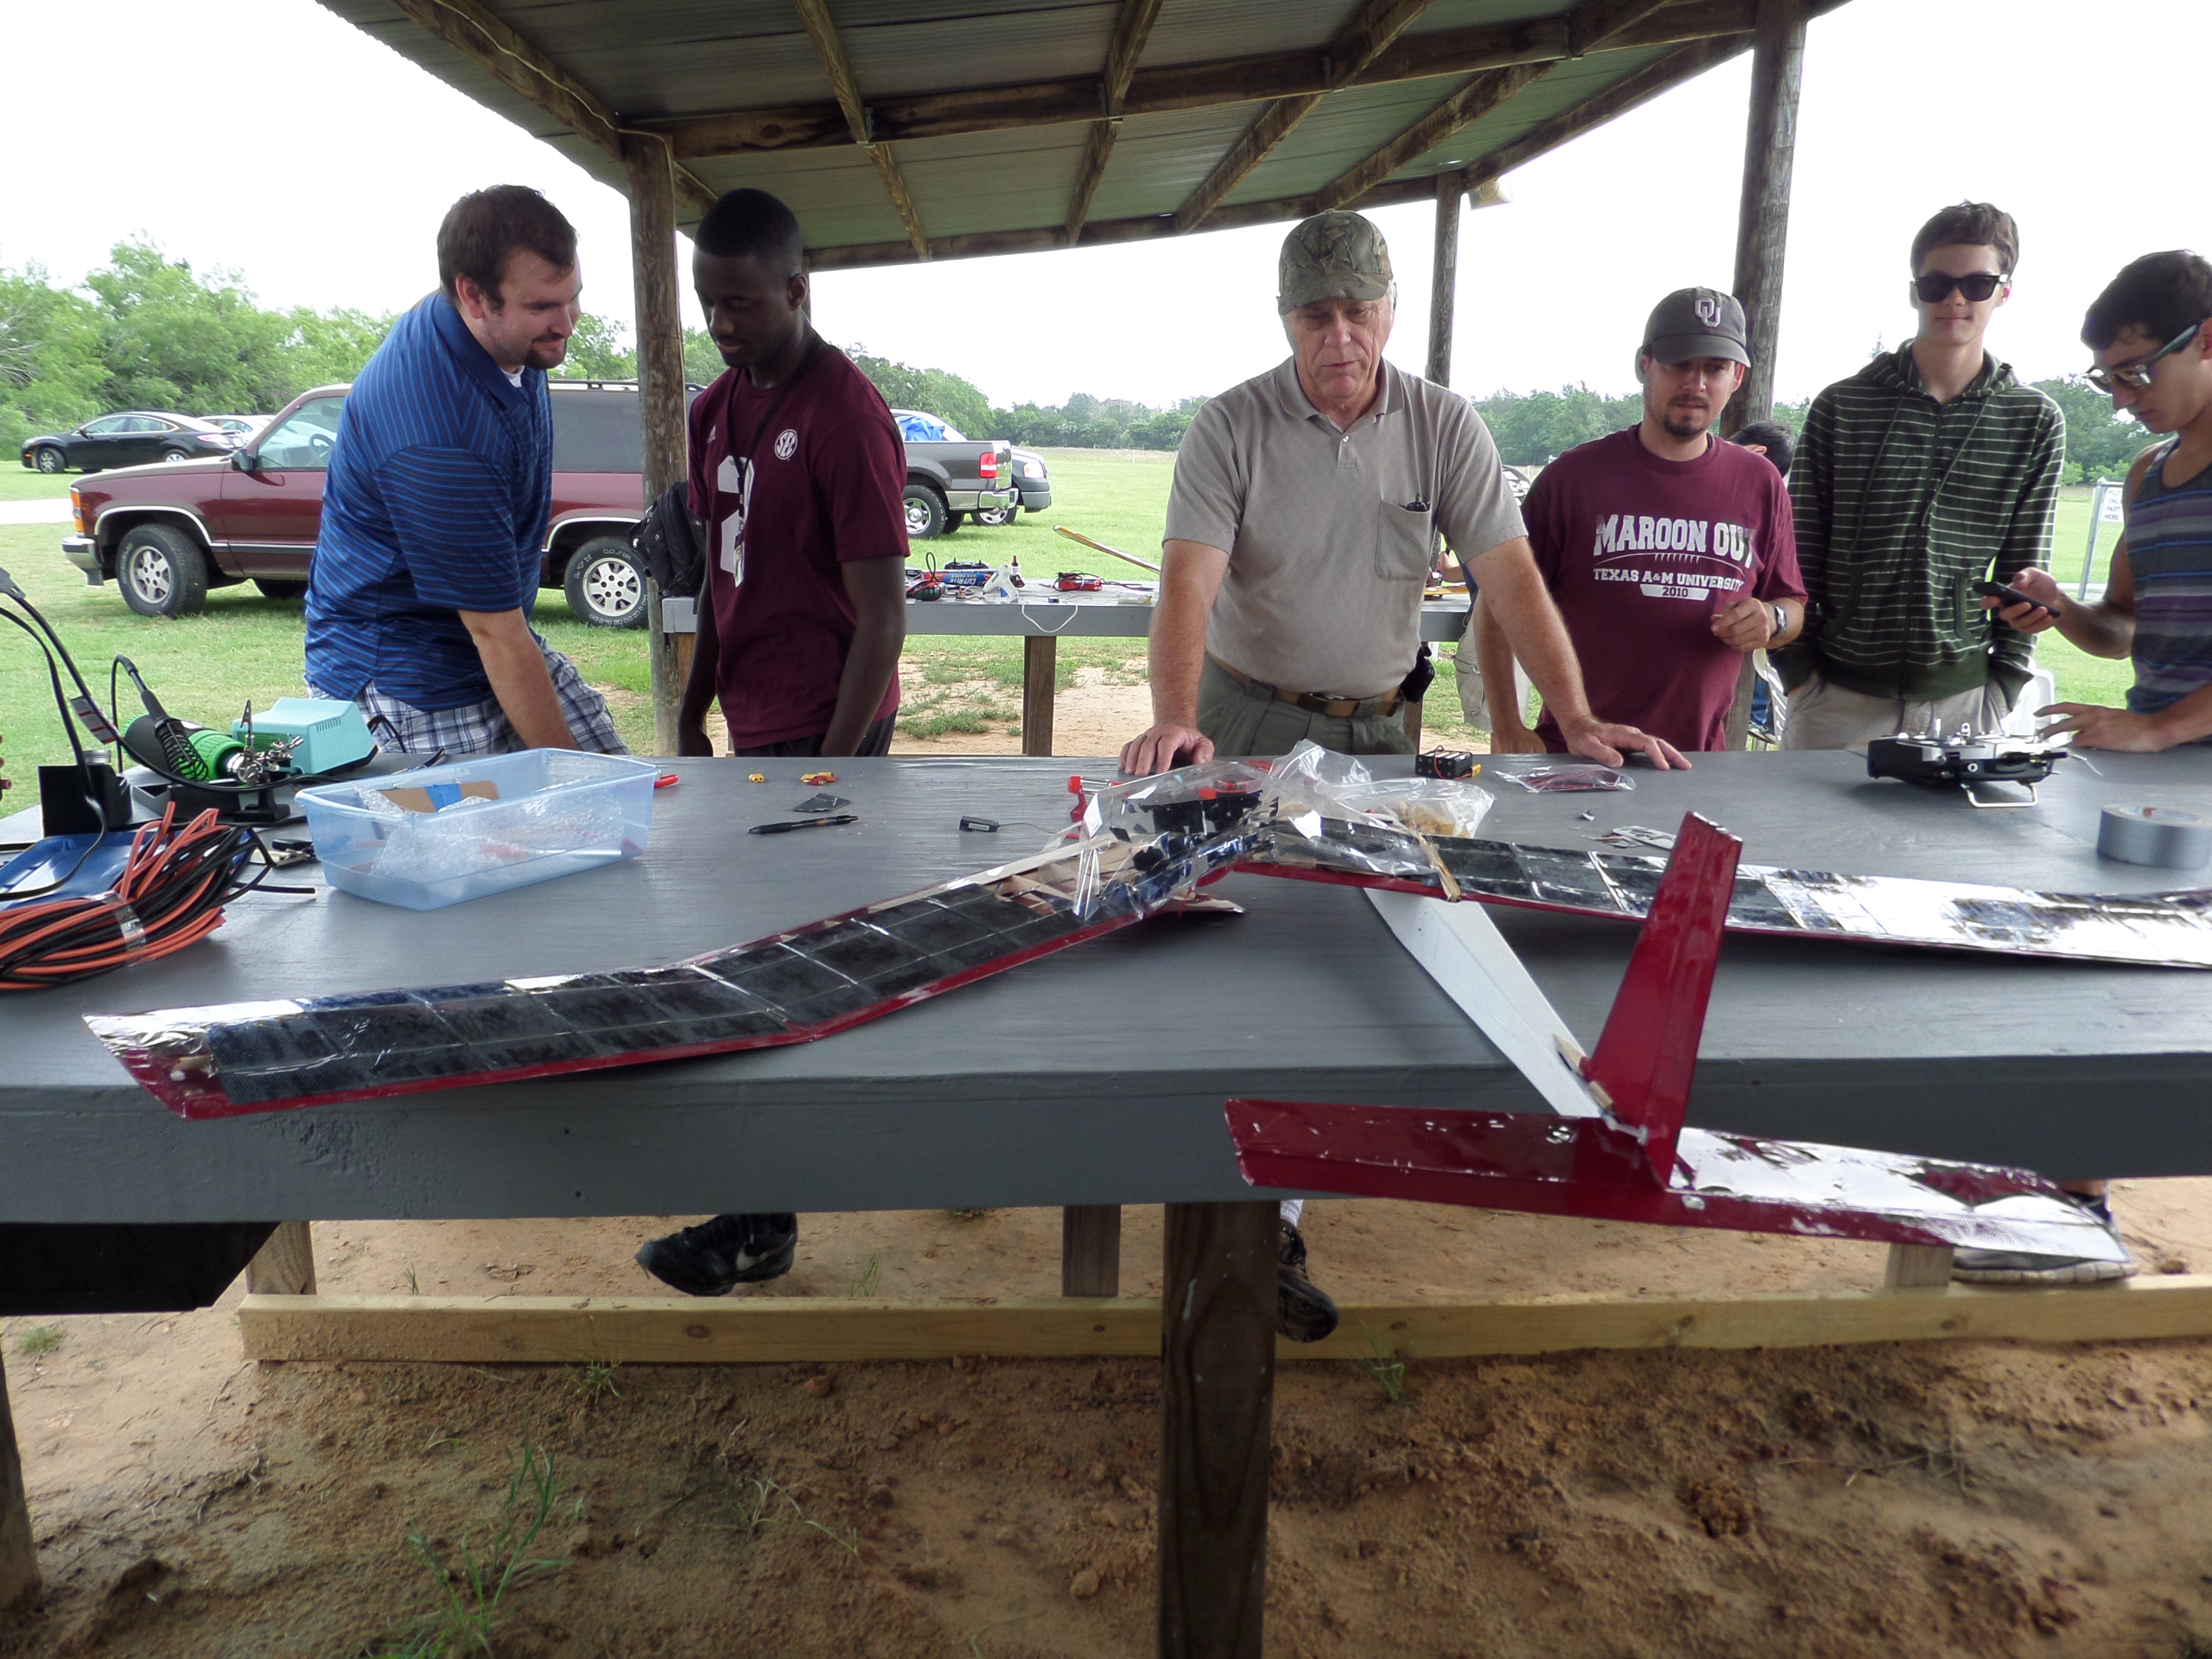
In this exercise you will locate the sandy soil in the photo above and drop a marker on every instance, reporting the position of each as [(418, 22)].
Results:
[(1978, 1500), (1982, 1499)]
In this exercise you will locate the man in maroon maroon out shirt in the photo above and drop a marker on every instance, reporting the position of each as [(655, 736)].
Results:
[(1670, 553), (798, 472)]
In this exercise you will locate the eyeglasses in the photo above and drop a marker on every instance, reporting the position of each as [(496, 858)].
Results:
[(1936, 286), (2136, 375)]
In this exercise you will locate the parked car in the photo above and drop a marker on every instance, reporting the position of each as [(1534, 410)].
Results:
[(238, 426), (949, 477), (166, 534), (126, 439)]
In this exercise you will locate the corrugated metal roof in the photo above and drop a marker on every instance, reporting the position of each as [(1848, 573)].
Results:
[(988, 105)]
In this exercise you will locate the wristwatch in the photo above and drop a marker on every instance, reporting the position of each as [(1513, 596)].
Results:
[(1781, 620)]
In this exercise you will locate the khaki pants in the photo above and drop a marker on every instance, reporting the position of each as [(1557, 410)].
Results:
[(1825, 716), (1243, 722)]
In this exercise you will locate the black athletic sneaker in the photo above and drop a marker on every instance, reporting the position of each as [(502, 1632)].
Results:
[(1304, 1312), (716, 1256)]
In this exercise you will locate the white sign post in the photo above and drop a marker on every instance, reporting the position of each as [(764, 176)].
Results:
[(2105, 508)]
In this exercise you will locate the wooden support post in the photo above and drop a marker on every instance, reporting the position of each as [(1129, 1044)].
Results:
[(1917, 1267), (1040, 676), (1217, 1412), (1414, 716), (1091, 1249), (1762, 232), (19, 1555), (1443, 275), (1763, 221), (285, 1265), (660, 390)]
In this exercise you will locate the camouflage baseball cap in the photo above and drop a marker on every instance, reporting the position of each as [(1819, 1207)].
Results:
[(1332, 255)]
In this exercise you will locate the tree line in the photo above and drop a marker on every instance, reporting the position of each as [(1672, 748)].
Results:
[(146, 331)]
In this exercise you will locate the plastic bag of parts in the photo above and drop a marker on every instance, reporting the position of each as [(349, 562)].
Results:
[(1157, 836), (1569, 779), (1346, 816)]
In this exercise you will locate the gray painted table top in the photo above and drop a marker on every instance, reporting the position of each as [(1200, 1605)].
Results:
[(1098, 1075)]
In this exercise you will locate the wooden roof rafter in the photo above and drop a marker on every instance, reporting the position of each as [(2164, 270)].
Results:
[(1591, 26), (1480, 176), (1170, 88), (1132, 27), (496, 47), (828, 46), (1372, 27)]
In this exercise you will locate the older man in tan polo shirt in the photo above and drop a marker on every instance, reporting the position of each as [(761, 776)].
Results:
[(1306, 509), (1305, 512)]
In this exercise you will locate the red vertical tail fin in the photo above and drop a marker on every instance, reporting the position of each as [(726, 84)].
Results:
[(1650, 1046)]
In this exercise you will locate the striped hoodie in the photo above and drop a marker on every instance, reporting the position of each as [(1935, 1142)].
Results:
[(1902, 505)]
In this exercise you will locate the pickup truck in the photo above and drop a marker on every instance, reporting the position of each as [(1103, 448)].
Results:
[(166, 533), (949, 477)]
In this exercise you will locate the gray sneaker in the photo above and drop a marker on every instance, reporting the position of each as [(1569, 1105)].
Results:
[(2024, 1267)]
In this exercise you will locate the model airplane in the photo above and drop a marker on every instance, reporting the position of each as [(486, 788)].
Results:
[(1618, 1149)]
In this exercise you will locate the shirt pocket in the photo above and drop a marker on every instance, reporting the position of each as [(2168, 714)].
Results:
[(1405, 539)]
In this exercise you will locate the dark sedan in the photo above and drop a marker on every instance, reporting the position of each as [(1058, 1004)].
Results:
[(127, 438)]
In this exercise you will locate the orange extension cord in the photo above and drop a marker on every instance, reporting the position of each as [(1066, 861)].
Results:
[(170, 895)]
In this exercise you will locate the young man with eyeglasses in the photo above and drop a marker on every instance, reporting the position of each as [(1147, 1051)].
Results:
[(2151, 332), (1925, 473), (1667, 552), (2153, 344)]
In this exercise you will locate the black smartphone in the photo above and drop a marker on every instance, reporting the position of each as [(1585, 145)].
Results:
[(2010, 595)]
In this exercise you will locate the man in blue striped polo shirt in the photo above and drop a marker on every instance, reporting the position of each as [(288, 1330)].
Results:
[(440, 486)]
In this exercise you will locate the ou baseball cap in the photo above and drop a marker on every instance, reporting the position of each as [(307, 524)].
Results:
[(1331, 256), (1697, 322)]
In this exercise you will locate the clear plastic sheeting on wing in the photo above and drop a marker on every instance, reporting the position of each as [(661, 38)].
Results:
[(790, 988)]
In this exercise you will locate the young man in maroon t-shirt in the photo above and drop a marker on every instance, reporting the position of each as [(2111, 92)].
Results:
[(1670, 553), (798, 472)]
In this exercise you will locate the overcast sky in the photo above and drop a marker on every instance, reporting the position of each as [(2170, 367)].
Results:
[(271, 138)]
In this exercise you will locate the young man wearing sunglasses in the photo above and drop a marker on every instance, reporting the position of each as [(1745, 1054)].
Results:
[(2151, 332), (1927, 472)]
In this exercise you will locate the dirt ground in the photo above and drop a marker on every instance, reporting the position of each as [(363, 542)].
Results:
[(1974, 1499), (1970, 1500)]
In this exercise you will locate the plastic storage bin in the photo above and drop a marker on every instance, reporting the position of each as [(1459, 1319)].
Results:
[(500, 821)]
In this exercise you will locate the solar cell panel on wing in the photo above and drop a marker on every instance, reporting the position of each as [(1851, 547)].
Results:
[(928, 927), (985, 908), (859, 951), (1558, 877), (1753, 905), (777, 973)]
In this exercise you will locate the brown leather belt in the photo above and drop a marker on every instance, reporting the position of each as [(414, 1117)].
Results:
[(1313, 702)]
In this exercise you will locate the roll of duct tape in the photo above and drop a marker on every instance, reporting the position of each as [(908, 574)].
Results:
[(2163, 837)]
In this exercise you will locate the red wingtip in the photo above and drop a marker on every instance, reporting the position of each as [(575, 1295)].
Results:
[(1649, 1047)]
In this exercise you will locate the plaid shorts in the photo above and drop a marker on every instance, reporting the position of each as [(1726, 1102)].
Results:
[(483, 728)]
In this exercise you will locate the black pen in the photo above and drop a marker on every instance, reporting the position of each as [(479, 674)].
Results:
[(778, 828)]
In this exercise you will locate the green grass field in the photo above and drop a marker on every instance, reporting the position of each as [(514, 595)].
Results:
[(243, 645), (20, 484)]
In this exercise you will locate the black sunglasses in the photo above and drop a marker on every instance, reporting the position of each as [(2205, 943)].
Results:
[(1936, 287)]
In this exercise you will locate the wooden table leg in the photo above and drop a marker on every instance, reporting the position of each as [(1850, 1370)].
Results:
[(1917, 1267), (1217, 1412), (1091, 1249), (1040, 679), (19, 1556), (285, 1265)]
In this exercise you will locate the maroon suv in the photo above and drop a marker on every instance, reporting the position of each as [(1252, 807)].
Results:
[(166, 533)]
